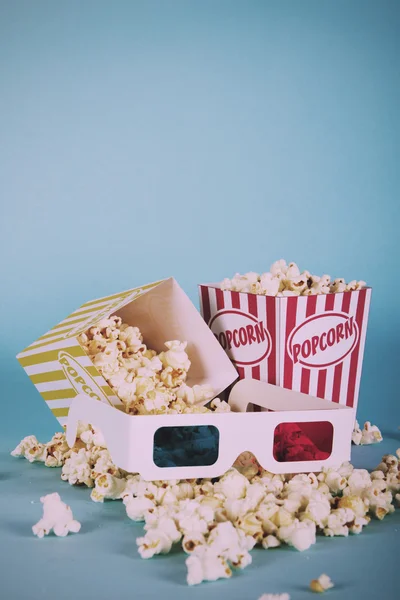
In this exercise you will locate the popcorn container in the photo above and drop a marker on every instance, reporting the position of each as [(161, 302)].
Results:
[(60, 368), (311, 344)]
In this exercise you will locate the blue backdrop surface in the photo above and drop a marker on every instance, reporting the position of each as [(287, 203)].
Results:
[(143, 139)]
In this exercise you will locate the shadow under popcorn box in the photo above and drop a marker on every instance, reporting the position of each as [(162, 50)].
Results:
[(60, 368), (311, 344)]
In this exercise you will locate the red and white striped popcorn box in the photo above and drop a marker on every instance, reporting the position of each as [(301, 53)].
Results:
[(311, 344)]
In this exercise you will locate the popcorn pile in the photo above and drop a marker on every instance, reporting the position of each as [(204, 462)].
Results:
[(218, 522), (146, 382), (286, 280)]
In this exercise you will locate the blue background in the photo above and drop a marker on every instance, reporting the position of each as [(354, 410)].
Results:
[(142, 139)]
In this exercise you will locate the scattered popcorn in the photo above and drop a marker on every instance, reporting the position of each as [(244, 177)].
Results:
[(287, 280), (30, 449), (57, 517), (321, 584), (370, 434), (218, 522)]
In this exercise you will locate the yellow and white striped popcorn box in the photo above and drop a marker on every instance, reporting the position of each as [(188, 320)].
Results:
[(60, 368)]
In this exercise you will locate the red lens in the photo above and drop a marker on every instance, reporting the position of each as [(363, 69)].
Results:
[(294, 442)]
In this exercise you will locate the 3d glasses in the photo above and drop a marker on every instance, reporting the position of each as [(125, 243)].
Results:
[(206, 445)]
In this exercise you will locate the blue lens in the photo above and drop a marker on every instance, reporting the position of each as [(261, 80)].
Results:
[(186, 446)]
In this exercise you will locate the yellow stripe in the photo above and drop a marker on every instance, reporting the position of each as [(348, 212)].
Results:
[(107, 390), (34, 346), (47, 377), (42, 357), (58, 394), (122, 294), (60, 412), (114, 297), (70, 323), (49, 335), (80, 312), (59, 375), (77, 313)]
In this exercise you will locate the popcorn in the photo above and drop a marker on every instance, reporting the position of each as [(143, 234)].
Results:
[(354, 503), (192, 540), (159, 538), (321, 584), (136, 507), (210, 561), (232, 485), (77, 469), (358, 481), (93, 437), (102, 463), (196, 394), (336, 523), (57, 451), (318, 508), (154, 542), (300, 534), (30, 449), (194, 516), (204, 564), (220, 406), (370, 434), (333, 479), (107, 487), (357, 434), (175, 357), (270, 541), (286, 280), (57, 517)]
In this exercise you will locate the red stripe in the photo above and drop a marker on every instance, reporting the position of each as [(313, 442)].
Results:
[(220, 299), (305, 381), (271, 327), (240, 370), (311, 306), (291, 308), (354, 357), (306, 373), (329, 301), (253, 310), (346, 302), (337, 379), (321, 384), (252, 302), (235, 299), (337, 376), (205, 303)]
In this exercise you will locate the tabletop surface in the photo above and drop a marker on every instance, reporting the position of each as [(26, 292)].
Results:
[(102, 561)]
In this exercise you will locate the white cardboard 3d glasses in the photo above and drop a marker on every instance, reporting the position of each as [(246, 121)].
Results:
[(206, 445)]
